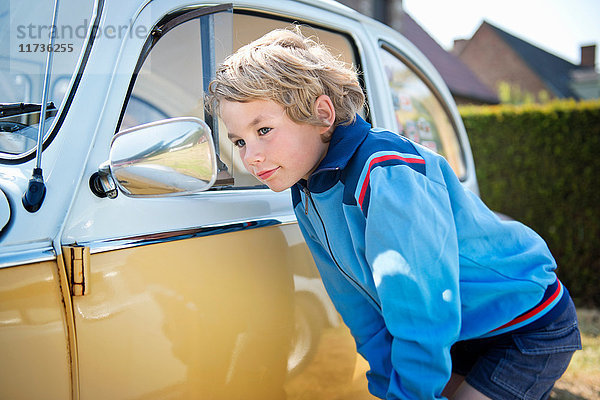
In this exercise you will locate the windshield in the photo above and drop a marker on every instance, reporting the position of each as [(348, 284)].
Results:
[(25, 27)]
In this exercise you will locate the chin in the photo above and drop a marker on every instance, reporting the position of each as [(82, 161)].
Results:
[(278, 188)]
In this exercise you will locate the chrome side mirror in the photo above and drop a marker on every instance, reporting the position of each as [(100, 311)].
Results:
[(165, 158)]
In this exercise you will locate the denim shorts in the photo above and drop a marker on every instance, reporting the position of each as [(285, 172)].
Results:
[(519, 365)]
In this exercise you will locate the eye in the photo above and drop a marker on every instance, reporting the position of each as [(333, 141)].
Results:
[(239, 143), (264, 131)]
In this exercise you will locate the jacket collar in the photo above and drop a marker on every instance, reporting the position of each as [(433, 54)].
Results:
[(343, 144)]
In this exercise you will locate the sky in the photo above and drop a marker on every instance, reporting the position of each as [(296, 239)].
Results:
[(557, 26)]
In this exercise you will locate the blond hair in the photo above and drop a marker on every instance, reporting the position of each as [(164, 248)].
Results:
[(293, 71)]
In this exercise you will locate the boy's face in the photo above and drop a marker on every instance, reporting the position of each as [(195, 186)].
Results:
[(275, 149)]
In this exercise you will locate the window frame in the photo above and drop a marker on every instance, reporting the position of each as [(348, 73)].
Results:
[(179, 17), (162, 27)]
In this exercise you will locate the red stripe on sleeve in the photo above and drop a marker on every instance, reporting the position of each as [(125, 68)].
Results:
[(379, 159)]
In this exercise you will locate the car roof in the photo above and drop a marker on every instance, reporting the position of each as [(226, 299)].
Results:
[(328, 5)]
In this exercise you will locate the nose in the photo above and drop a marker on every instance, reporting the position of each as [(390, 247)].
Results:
[(253, 153)]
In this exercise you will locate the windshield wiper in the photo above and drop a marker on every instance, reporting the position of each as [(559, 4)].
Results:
[(12, 109)]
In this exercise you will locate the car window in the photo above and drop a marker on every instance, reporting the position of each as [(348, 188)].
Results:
[(174, 76), (169, 84), (419, 114)]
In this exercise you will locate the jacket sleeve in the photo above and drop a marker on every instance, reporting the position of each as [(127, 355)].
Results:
[(367, 326), (412, 250)]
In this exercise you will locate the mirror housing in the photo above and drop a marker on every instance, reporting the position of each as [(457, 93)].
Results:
[(171, 157)]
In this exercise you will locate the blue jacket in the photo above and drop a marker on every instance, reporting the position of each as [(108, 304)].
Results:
[(414, 262)]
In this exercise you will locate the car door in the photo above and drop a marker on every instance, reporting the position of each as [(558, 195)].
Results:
[(211, 295)]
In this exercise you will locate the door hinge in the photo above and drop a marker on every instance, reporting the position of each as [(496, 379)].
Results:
[(77, 264)]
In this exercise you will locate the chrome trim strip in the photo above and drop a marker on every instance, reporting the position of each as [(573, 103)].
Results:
[(101, 246), (17, 258)]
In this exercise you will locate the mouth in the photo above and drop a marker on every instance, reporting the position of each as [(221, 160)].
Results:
[(264, 175)]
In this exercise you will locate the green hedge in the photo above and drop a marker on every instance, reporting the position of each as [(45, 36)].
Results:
[(540, 164)]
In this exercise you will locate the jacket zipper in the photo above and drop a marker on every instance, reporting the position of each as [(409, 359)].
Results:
[(354, 282)]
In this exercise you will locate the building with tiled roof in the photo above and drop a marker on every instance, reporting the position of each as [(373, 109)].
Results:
[(464, 85), (496, 57)]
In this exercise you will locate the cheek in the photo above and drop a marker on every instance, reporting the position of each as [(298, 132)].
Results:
[(317, 148), (247, 167), (242, 153)]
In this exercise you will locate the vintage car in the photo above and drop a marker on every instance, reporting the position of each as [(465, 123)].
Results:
[(138, 259)]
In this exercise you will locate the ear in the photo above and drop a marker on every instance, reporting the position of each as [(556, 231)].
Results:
[(325, 111)]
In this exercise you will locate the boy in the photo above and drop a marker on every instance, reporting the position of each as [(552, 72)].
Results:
[(442, 298)]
